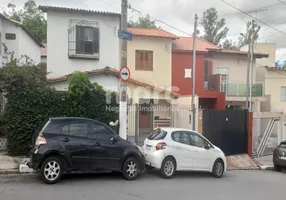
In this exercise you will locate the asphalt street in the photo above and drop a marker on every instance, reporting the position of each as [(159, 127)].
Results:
[(235, 185)]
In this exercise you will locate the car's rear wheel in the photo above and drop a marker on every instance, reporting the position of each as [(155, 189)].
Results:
[(218, 169), (277, 168), (130, 169), (168, 168), (51, 170)]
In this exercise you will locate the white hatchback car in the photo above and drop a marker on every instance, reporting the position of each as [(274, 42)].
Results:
[(174, 149)]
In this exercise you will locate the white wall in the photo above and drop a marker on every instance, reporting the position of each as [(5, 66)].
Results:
[(58, 62), (28, 46), (274, 80), (13, 45), (22, 45)]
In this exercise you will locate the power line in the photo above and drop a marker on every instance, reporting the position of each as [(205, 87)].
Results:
[(261, 8), (252, 17), (109, 5), (283, 2), (158, 20)]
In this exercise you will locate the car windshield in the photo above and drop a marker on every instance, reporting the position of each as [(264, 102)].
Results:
[(157, 134), (282, 145)]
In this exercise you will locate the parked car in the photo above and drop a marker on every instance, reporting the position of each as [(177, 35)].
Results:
[(279, 156), (173, 149), (64, 145)]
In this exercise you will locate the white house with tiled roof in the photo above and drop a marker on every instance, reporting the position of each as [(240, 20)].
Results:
[(19, 40), (81, 40)]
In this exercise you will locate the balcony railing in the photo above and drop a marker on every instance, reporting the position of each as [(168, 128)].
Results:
[(240, 90)]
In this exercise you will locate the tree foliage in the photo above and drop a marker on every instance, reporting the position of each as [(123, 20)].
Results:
[(245, 38), (30, 101), (31, 17), (229, 44), (214, 30), (143, 22)]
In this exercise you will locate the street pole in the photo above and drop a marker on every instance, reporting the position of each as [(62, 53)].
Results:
[(123, 86), (248, 74), (251, 61), (194, 73)]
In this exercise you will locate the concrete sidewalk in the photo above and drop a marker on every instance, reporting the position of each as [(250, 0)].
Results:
[(13, 165), (8, 164), (265, 162)]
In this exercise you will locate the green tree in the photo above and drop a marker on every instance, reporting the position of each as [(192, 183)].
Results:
[(245, 38), (229, 44), (214, 30), (31, 17), (143, 22)]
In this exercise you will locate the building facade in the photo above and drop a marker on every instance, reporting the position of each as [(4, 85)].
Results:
[(81, 40), (14, 37)]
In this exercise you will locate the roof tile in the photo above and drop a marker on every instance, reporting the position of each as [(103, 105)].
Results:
[(186, 44), (151, 32), (45, 8), (115, 72)]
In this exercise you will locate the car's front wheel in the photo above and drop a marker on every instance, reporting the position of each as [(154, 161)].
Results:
[(218, 169), (51, 170), (130, 169), (168, 168)]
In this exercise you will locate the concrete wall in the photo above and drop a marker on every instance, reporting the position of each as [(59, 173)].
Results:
[(28, 46), (183, 115), (267, 48), (274, 80), (58, 62), (22, 45), (162, 60)]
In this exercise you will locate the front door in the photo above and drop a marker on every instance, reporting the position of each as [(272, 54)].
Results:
[(75, 143), (105, 153), (145, 117)]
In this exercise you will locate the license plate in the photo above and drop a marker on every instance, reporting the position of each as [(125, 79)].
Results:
[(148, 147)]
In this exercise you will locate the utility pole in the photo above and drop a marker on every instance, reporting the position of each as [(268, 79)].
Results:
[(194, 73), (123, 86), (250, 69), (251, 62)]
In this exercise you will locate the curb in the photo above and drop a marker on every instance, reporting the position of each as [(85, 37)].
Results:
[(10, 171), (23, 168)]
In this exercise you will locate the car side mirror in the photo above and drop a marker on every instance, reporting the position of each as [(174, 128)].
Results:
[(207, 146), (112, 139)]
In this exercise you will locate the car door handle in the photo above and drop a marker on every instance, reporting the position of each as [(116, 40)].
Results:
[(96, 144), (66, 140)]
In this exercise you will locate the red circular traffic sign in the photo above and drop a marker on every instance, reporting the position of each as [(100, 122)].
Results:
[(124, 73)]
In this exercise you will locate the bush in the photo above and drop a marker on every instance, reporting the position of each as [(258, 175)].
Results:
[(29, 105)]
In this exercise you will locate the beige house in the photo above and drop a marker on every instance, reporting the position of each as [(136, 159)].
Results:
[(232, 67), (150, 56)]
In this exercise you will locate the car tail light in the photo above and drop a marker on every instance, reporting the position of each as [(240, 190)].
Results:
[(276, 151), (160, 146), (39, 141)]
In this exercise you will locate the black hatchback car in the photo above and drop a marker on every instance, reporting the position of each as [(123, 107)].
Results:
[(279, 157), (65, 144)]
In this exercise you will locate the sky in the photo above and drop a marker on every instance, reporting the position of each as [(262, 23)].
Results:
[(179, 15)]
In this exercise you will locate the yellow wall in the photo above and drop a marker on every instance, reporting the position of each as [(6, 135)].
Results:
[(273, 82), (162, 60), (267, 48)]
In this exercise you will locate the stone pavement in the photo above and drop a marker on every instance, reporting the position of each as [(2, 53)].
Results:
[(265, 162), (241, 162), (8, 164)]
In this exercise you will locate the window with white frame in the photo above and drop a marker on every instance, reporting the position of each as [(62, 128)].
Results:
[(283, 93)]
